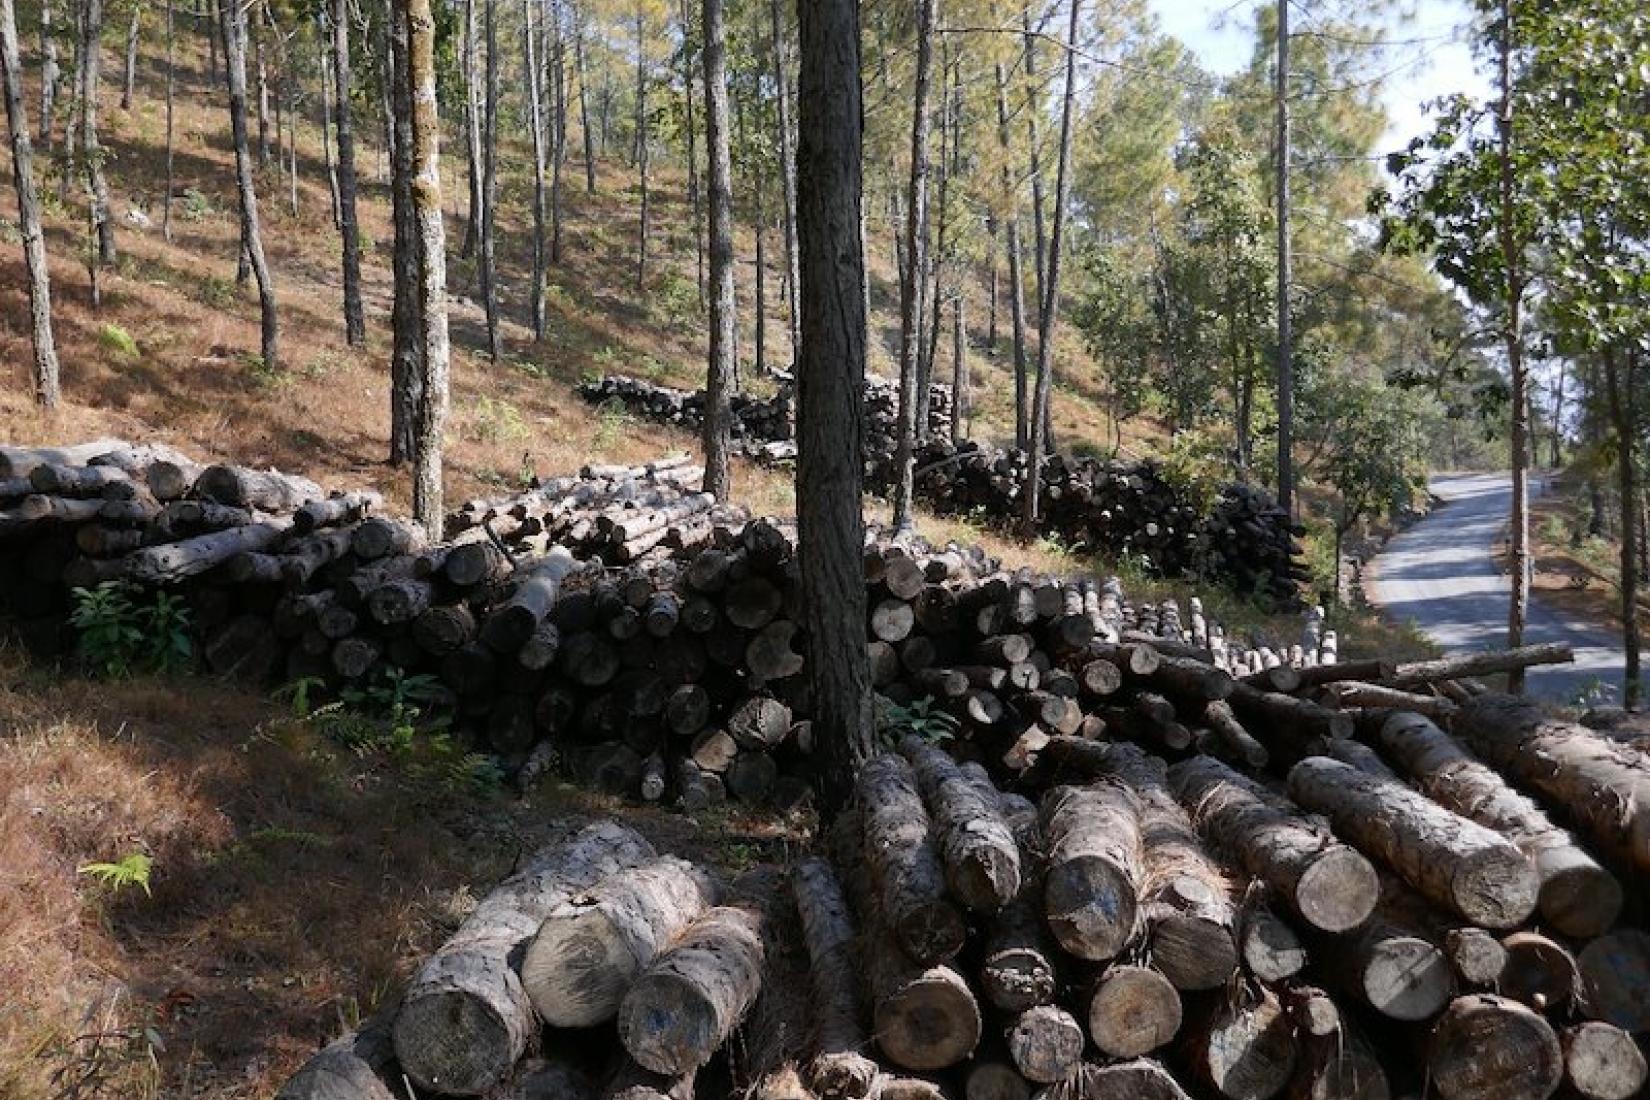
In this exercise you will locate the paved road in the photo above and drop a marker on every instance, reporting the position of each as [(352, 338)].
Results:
[(1443, 574)]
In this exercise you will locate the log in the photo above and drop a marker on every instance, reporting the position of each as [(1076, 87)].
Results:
[(507, 629), (1601, 786), (995, 1080), (442, 630), (905, 869), (1018, 970), (56, 479), (1242, 1050), (1139, 1079), (923, 1018), (892, 620), (1340, 1066), (39, 508), (1476, 955), (631, 1081), (981, 857), (686, 1004), (837, 1066), (750, 777), (542, 647), (1374, 670), (358, 1066), (1538, 971), (1389, 966), (1194, 681), (266, 490), (1416, 673), (1134, 1011), (1355, 693), (587, 952), (400, 600), (1615, 979), (176, 561), (1328, 885), (1045, 1044), (696, 788), (769, 655), (1270, 949), (381, 537), (541, 1079), (21, 461), (1602, 1062), (1094, 868), (1486, 1047), (759, 723), (1453, 862), (1236, 742), (1293, 727), (339, 508)]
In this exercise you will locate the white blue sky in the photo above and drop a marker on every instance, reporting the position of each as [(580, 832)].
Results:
[(1435, 61)]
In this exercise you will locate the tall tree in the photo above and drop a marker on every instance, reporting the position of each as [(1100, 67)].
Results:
[(1016, 281), (355, 326), (1050, 290), (488, 268), (91, 151), (787, 169), (472, 127), (830, 390), (431, 416), (643, 145), (535, 128), (134, 26), (171, 111), (50, 74), (695, 200), (406, 321), (1286, 365), (916, 248), (45, 376), (558, 144), (233, 20), (584, 103), (719, 186)]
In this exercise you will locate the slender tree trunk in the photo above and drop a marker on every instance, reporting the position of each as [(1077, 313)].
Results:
[(489, 186), (916, 247), (234, 38), (695, 202), (937, 259), (472, 131), (406, 322), (558, 152), (431, 414), (991, 286), (584, 108), (1621, 380), (641, 150), (50, 74), (830, 390), (355, 325), (129, 84), (97, 184), (323, 47), (959, 365), (787, 171), (1286, 353), (1035, 145), (256, 35), (213, 34), (292, 141), (1512, 340), (719, 186), (1016, 281), (45, 374), (761, 280), (1051, 291), (1558, 416), (535, 128), (171, 105)]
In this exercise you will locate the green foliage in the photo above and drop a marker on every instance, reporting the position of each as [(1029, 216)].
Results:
[(613, 423), (195, 206), (119, 635), (261, 374), (118, 341), (130, 870), (216, 291), (495, 420), (675, 301), (921, 717)]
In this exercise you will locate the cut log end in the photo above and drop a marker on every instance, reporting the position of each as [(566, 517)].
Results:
[(1338, 891), (1134, 1011), (1602, 1062), (1491, 1048)]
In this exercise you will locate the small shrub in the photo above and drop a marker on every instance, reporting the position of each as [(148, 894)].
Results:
[(119, 636), (920, 717), (194, 206), (132, 870), (117, 341), (10, 232), (612, 423), (262, 375), (675, 300), (217, 292), (495, 420)]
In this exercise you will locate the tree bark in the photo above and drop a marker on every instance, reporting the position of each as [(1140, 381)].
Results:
[(915, 266), (695, 198), (1622, 383), (50, 74), (488, 267), (97, 184), (234, 36), (45, 371), (1285, 352), (787, 173), (644, 149), (129, 84), (982, 859), (558, 132), (584, 109), (430, 414), (472, 130), (355, 329), (830, 390), (406, 323), (535, 128), (1512, 339), (905, 868), (1048, 287), (1016, 286), (719, 371)]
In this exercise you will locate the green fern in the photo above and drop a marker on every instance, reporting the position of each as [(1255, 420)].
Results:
[(132, 870)]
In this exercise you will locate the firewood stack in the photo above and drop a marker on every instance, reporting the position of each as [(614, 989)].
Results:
[(1124, 509)]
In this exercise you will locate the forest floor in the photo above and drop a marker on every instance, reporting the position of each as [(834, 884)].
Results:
[(295, 879)]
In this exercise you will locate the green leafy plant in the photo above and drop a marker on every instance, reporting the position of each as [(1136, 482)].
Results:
[(119, 635), (262, 375), (614, 423), (495, 420), (675, 300), (117, 341), (920, 717), (195, 205), (131, 870)]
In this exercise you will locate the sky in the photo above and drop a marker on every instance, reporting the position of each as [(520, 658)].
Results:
[(1435, 61)]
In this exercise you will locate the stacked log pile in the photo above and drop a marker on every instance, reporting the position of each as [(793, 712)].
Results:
[(1123, 509)]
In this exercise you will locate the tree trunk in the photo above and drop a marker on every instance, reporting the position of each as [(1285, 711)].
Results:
[(465, 1019), (915, 265), (254, 31), (1034, 147), (787, 175), (558, 144), (535, 128), (355, 328), (45, 373), (171, 82), (234, 37), (130, 83), (695, 198), (642, 148), (97, 184), (1016, 286), (1512, 340), (830, 389), (430, 415), (1621, 381), (1094, 870), (472, 130), (906, 873), (1286, 356), (719, 371), (584, 110), (323, 46), (1048, 287), (489, 184), (761, 275), (50, 74), (407, 354)]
